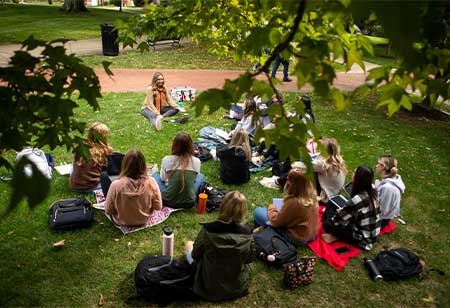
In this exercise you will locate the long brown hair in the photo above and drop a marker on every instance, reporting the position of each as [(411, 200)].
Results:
[(97, 140), (300, 187), (249, 106), (183, 147), (233, 208), (240, 139), (133, 165)]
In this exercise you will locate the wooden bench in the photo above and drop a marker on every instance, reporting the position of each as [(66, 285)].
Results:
[(164, 40)]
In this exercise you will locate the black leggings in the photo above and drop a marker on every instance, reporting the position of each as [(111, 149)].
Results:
[(344, 234)]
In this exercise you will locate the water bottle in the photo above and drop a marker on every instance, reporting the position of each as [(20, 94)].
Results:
[(168, 239), (374, 273), (155, 169)]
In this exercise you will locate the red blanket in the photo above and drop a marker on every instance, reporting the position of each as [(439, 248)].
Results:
[(328, 251)]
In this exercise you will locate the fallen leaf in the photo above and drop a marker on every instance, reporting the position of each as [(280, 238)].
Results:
[(428, 299), (101, 301), (441, 210), (116, 239), (10, 232), (101, 223), (59, 244), (129, 245)]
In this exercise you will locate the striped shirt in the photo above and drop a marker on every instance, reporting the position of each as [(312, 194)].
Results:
[(362, 217)]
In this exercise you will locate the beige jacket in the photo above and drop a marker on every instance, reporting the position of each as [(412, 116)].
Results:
[(149, 102), (130, 202)]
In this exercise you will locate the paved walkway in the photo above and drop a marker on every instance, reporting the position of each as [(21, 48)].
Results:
[(132, 80)]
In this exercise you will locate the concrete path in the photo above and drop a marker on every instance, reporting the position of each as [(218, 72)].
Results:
[(132, 80)]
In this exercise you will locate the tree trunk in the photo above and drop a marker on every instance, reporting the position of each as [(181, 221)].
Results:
[(74, 6)]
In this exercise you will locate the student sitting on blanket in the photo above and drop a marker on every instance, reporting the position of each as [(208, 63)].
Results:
[(235, 159), (179, 179), (134, 196), (330, 169), (297, 220), (222, 251), (359, 221), (85, 176), (155, 104), (389, 189), (246, 122)]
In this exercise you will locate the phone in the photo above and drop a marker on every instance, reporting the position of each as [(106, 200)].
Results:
[(342, 250)]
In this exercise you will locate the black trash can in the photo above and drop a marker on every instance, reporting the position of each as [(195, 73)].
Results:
[(109, 36)]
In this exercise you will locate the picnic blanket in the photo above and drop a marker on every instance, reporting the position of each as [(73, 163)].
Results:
[(328, 251), (156, 218), (267, 163)]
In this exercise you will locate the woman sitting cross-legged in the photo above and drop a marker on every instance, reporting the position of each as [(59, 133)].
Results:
[(330, 168), (85, 176), (235, 159), (134, 196), (358, 222), (179, 179), (297, 220), (223, 250)]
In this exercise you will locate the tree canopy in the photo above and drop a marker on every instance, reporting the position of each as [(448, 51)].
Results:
[(37, 101), (315, 34)]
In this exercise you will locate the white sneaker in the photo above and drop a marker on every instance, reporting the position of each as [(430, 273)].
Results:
[(269, 183), (158, 123), (257, 161)]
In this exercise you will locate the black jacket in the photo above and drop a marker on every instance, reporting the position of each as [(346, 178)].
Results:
[(234, 166)]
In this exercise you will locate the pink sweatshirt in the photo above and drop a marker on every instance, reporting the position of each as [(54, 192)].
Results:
[(130, 202)]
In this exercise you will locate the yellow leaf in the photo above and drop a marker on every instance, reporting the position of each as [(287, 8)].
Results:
[(101, 301), (428, 299), (59, 244)]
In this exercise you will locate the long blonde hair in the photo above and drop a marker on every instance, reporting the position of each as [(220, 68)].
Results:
[(240, 139), (300, 187), (334, 162), (389, 164), (183, 147), (98, 142), (233, 208)]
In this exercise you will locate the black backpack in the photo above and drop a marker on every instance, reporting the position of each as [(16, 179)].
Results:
[(163, 279), (398, 263), (69, 214), (215, 196), (201, 152), (270, 243)]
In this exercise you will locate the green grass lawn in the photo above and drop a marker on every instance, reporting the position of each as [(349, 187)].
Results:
[(99, 261), (48, 22)]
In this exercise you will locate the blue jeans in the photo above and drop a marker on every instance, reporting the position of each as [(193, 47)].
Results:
[(276, 63), (162, 185)]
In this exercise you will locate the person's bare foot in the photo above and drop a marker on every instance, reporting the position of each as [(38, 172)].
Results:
[(328, 238)]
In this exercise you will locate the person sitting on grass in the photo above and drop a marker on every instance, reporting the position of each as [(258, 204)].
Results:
[(330, 169), (235, 159), (85, 176), (389, 189), (246, 122), (297, 220), (222, 251), (133, 197), (155, 104), (179, 179), (358, 222)]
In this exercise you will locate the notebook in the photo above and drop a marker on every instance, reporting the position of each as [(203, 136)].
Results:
[(338, 201), (278, 202)]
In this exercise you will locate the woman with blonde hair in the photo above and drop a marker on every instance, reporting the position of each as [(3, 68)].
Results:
[(158, 103), (85, 176), (222, 251), (330, 169), (134, 196), (297, 220), (235, 159), (179, 179), (389, 189)]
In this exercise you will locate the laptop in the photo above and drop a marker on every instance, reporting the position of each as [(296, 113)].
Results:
[(338, 201)]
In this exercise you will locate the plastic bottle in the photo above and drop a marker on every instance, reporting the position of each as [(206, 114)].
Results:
[(155, 169), (374, 273), (168, 239)]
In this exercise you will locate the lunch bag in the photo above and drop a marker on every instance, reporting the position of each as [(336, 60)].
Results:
[(273, 249), (69, 214)]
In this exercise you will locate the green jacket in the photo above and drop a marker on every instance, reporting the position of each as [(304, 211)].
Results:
[(180, 199), (223, 253)]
